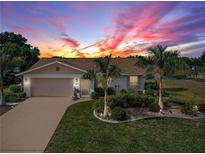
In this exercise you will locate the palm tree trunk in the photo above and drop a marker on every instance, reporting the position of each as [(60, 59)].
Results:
[(160, 94), (105, 113)]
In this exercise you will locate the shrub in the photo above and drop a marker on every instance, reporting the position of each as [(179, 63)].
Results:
[(129, 100), (16, 88), (110, 91), (149, 92), (140, 92), (201, 107), (167, 103), (119, 113), (120, 100), (98, 106), (10, 96), (165, 94), (145, 99), (21, 95), (176, 101), (151, 85), (154, 107), (100, 91), (179, 77), (94, 95), (123, 91), (189, 109)]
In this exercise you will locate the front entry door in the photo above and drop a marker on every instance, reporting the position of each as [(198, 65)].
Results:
[(85, 86)]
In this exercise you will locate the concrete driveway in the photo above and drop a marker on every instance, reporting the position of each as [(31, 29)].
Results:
[(30, 125)]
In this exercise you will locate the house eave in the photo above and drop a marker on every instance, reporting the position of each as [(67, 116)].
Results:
[(55, 62), (131, 74)]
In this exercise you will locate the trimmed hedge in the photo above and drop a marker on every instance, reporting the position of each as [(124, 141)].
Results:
[(130, 100), (10, 96), (110, 91), (123, 91), (14, 93), (189, 109), (94, 95), (99, 92), (16, 88), (154, 107), (21, 95), (151, 85), (118, 113)]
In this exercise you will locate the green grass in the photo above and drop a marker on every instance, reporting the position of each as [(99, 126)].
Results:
[(80, 131), (186, 90), (4, 109)]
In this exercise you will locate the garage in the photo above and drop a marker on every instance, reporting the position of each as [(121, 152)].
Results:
[(53, 87)]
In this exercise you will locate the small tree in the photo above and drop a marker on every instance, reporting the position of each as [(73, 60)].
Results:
[(6, 62), (16, 47), (104, 74), (161, 63)]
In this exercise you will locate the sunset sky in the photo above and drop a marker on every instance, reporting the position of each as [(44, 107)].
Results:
[(93, 29)]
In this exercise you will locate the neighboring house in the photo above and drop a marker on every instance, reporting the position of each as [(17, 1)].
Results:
[(59, 76)]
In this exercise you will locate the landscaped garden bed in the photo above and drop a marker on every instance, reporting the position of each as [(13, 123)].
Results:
[(125, 107), (13, 95)]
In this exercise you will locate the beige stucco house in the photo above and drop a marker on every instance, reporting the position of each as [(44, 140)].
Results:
[(59, 76)]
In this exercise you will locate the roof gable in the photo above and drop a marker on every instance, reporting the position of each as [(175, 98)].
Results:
[(50, 64), (127, 65)]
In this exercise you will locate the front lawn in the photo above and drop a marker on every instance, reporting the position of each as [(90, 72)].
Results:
[(4, 109), (186, 90), (80, 131)]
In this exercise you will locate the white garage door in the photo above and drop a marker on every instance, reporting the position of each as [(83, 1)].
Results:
[(51, 87)]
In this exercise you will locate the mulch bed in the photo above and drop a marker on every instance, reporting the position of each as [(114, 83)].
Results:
[(138, 113), (173, 111)]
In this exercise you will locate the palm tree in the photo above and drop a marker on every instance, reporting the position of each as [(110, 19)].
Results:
[(161, 62), (91, 75), (104, 74)]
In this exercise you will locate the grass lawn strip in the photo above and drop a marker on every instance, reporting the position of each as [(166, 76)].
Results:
[(4, 109), (80, 131)]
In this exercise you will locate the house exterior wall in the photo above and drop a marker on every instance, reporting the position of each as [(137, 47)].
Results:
[(76, 80), (141, 84), (51, 72), (121, 81)]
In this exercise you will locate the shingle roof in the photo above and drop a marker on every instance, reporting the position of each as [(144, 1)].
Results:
[(127, 65)]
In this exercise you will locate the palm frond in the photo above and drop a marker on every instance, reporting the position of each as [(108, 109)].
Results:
[(114, 71), (90, 75)]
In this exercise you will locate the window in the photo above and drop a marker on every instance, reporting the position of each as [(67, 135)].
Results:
[(57, 68), (133, 82)]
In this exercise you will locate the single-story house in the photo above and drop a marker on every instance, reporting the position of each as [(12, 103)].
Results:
[(59, 76)]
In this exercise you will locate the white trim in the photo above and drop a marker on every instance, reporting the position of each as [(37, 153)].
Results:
[(131, 74), (54, 75), (54, 62)]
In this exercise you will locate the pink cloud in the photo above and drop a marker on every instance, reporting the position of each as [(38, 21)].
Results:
[(139, 20), (59, 23), (70, 42)]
